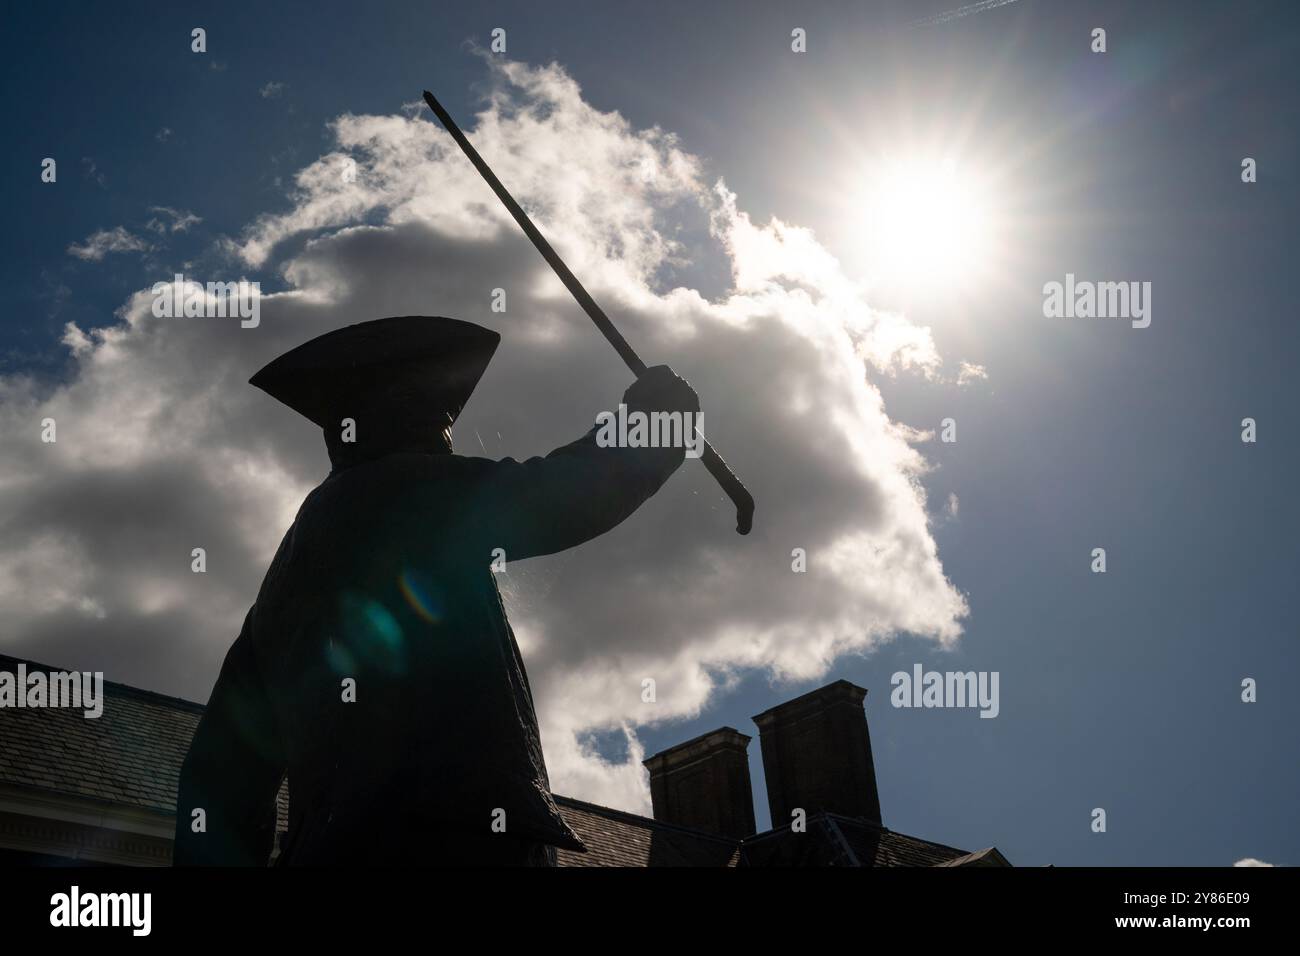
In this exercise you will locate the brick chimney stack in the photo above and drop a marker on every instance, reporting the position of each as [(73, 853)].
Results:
[(817, 755), (704, 783)]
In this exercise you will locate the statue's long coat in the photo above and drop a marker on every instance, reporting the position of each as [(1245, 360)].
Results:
[(385, 579)]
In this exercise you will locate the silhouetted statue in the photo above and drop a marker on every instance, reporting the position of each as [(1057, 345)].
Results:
[(377, 667)]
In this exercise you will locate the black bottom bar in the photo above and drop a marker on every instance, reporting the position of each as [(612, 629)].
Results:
[(330, 906)]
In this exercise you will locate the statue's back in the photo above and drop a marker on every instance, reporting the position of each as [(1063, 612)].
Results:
[(394, 678)]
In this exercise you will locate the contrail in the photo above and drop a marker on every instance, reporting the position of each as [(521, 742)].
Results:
[(960, 12)]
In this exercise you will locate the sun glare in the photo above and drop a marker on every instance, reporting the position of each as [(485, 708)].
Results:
[(927, 226)]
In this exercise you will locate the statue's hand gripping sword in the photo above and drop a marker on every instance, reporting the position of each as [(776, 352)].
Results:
[(736, 491)]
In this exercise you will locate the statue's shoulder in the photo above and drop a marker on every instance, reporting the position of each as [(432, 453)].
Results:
[(399, 468)]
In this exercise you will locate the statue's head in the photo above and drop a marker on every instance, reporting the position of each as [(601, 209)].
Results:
[(391, 385)]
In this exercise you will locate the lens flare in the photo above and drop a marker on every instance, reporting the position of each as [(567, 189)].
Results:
[(372, 634), (419, 594)]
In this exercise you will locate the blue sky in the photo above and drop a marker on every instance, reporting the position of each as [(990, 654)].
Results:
[(1120, 690)]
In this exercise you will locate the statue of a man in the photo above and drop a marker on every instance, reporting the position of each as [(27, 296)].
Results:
[(376, 667)]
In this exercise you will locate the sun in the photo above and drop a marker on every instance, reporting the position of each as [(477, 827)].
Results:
[(927, 225)]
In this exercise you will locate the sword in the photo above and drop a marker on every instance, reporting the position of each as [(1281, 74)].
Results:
[(724, 476)]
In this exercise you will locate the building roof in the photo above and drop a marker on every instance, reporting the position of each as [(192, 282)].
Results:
[(131, 754), (616, 838), (831, 839), (131, 757)]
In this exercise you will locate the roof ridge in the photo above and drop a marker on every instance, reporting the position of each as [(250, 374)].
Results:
[(884, 829), (838, 836), (636, 817), (117, 688)]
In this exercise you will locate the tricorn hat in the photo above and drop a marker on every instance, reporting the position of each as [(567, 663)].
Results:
[(436, 361)]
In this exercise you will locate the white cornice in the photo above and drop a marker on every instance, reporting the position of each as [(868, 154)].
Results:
[(38, 821)]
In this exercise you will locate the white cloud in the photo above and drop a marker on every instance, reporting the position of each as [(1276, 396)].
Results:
[(101, 243), (970, 372), (1251, 861), (173, 220), (271, 90), (92, 172), (163, 446)]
